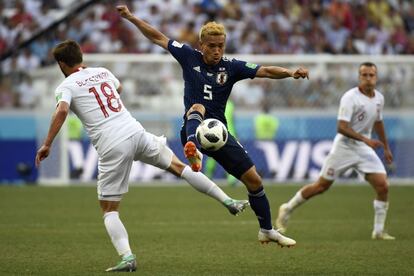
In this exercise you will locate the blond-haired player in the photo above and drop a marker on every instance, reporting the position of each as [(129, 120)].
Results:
[(93, 95), (360, 112), (209, 78)]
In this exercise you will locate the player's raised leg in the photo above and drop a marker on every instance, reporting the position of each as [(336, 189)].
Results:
[(310, 190), (203, 184), (160, 155), (195, 116), (380, 184)]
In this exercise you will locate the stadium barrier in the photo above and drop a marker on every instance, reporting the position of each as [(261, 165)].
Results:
[(296, 155), (153, 91)]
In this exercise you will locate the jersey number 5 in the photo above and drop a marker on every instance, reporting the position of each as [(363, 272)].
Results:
[(208, 92), (109, 94)]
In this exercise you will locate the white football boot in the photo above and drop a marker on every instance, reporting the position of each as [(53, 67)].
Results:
[(266, 236), (382, 236)]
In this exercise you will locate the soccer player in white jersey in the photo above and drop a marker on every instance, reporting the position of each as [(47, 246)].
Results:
[(360, 111), (93, 95)]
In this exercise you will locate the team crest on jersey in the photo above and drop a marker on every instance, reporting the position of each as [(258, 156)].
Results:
[(221, 78)]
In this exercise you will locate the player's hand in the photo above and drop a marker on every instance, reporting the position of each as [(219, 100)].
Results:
[(388, 156), (124, 11), (374, 143), (301, 73), (42, 153)]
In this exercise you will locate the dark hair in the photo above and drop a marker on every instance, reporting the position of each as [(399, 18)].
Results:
[(368, 64), (68, 52)]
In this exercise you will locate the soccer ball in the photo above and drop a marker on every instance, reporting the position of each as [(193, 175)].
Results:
[(211, 134)]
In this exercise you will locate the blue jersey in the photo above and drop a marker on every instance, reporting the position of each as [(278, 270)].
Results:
[(209, 85)]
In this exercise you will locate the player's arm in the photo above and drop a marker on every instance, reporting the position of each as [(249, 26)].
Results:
[(380, 130), (276, 72), (346, 130), (146, 29), (58, 119)]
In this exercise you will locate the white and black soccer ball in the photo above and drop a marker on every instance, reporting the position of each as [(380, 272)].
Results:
[(212, 134)]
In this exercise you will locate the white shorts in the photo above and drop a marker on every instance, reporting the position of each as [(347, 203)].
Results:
[(342, 158), (114, 166)]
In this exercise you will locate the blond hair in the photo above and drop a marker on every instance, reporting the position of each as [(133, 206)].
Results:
[(211, 28)]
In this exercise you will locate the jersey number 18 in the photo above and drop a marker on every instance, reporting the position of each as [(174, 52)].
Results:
[(109, 94)]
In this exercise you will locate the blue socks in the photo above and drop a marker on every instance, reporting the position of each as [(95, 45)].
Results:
[(194, 119), (260, 205)]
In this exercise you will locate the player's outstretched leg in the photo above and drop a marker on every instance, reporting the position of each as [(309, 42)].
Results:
[(204, 185), (193, 155), (127, 264), (272, 235)]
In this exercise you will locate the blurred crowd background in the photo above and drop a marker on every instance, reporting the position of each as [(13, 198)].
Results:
[(281, 27)]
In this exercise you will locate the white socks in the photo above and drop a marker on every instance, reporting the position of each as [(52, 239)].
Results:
[(117, 233), (203, 184), (295, 201), (380, 208)]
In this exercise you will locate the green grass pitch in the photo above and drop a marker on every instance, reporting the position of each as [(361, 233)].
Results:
[(178, 231)]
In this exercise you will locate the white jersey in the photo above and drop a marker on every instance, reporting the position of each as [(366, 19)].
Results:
[(92, 95), (361, 112)]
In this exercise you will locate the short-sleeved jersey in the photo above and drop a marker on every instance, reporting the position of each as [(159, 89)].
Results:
[(209, 85), (92, 95), (361, 112)]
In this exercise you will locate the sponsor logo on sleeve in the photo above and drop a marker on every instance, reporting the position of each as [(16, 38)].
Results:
[(58, 96), (251, 65), (177, 44)]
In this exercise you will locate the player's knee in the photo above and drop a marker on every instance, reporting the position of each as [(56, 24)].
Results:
[(109, 206), (197, 107), (254, 183), (251, 179), (382, 189)]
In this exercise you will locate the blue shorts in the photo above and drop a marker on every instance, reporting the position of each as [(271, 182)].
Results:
[(232, 156)]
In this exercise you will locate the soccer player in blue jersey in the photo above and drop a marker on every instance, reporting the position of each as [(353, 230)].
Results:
[(209, 78)]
